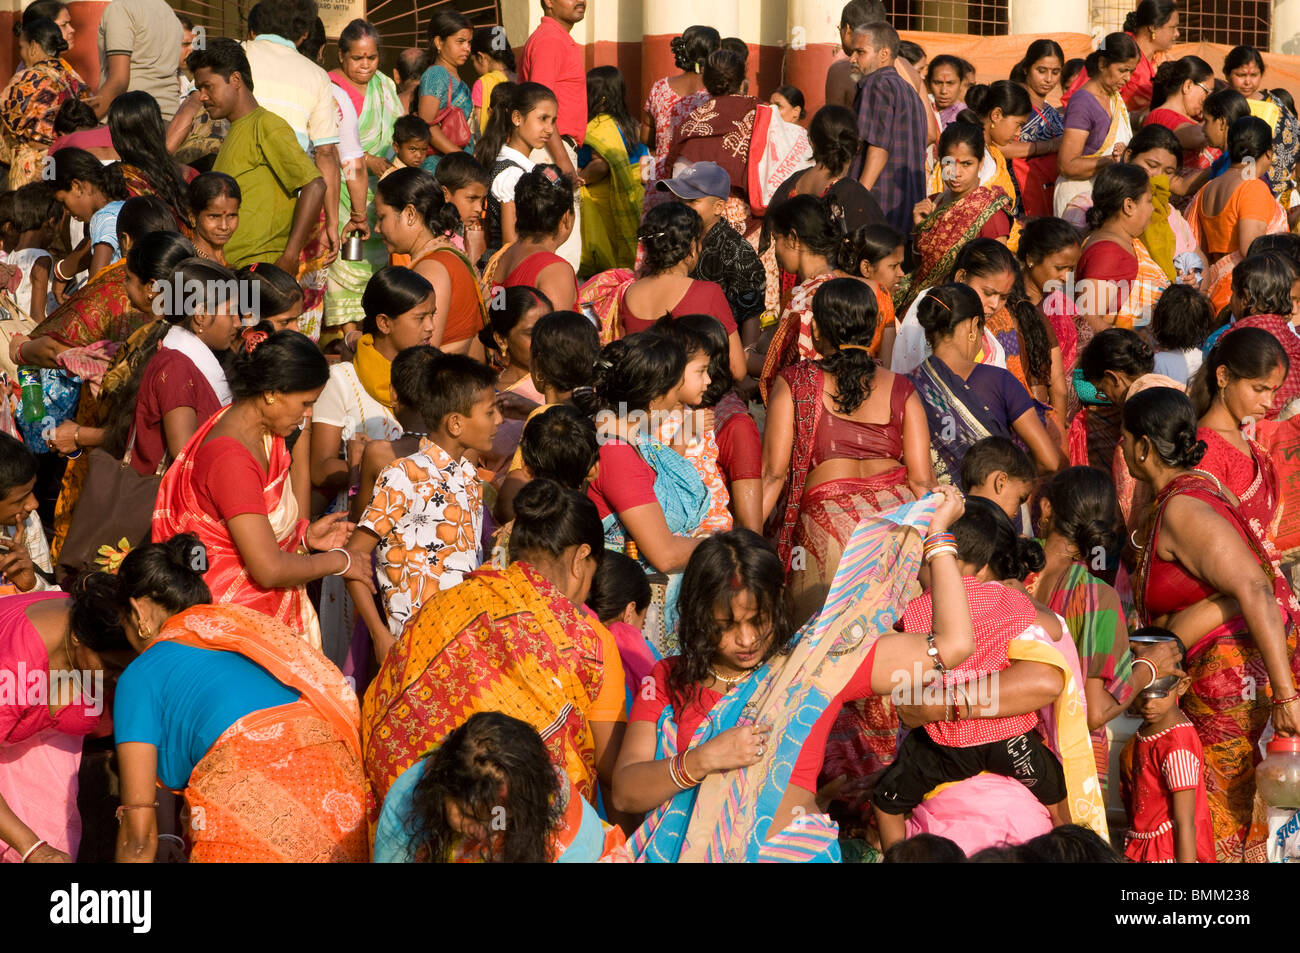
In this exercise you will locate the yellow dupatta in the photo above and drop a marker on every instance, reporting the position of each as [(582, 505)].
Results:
[(374, 371), (611, 207), (1069, 735), (1159, 236)]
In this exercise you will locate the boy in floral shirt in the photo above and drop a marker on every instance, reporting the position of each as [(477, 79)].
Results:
[(426, 515)]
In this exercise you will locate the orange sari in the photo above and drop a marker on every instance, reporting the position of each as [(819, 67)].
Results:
[(178, 511), (282, 785)]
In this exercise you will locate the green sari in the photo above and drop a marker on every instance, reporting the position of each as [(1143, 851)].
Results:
[(347, 279)]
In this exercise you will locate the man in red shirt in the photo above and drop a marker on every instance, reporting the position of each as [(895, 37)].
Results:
[(553, 58)]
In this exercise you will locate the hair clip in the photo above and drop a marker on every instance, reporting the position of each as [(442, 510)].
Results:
[(253, 266), (939, 301), (855, 347), (552, 176), (253, 340)]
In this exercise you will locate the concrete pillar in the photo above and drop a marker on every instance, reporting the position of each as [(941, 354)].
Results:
[(1284, 32), (812, 39), (1038, 18)]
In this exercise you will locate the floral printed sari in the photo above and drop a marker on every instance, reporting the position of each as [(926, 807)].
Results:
[(942, 235)]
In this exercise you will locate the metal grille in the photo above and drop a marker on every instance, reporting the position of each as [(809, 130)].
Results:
[(1109, 15), (405, 23), (1231, 22), (973, 17), (401, 23)]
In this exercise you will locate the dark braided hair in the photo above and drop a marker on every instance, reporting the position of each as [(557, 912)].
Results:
[(844, 312), (984, 257)]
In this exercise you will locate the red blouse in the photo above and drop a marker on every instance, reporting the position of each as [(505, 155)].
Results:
[(811, 755), (702, 297)]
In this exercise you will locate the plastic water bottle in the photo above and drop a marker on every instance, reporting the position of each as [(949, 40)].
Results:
[(1277, 779), (33, 394)]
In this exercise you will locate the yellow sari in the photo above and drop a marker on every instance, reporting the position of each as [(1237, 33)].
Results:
[(611, 208)]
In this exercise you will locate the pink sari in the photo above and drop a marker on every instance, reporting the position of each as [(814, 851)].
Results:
[(40, 753)]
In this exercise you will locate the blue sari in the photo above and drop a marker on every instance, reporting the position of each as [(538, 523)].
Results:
[(685, 501), (727, 818)]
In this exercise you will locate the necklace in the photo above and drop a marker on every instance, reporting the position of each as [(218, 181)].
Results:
[(729, 682)]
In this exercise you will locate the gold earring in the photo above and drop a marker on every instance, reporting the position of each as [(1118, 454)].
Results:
[(270, 398)]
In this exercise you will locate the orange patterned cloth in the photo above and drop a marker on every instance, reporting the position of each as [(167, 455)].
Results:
[(701, 450), (281, 785), (503, 640)]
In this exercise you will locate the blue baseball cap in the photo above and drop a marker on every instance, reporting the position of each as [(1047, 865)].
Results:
[(700, 180)]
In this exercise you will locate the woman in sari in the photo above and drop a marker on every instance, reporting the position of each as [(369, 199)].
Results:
[(415, 219), (256, 729), (1048, 251), (121, 335), (49, 636), (441, 89), (1033, 158), (807, 240), (827, 462), (736, 131), (1000, 110), (1119, 279), (1236, 208), (1096, 120), (725, 750), (965, 401), (1233, 391), (1243, 68), (671, 98), (651, 499), (139, 138), (964, 211), (1199, 553), (511, 640), (1154, 29), (236, 488), (32, 99), (1179, 94), (441, 810), (610, 168), (374, 96)]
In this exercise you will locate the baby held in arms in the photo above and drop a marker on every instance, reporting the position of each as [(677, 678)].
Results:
[(987, 550)]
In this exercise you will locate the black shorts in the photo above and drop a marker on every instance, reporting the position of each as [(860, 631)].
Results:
[(923, 764)]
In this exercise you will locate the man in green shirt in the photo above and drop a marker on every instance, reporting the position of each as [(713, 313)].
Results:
[(283, 191)]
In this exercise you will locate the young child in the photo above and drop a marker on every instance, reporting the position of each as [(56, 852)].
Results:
[(875, 254), (408, 374), (38, 218), (789, 102), (493, 62), (523, 120), (953, 750), (465, 185), (411, 142), (261, 151), (997, 470), (426, 515), (690, 431), (24, 556), (620, 596), (1163, 780), (1180, 323)]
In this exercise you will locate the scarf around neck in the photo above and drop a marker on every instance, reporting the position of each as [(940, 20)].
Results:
[(201, 356), (374, 371)]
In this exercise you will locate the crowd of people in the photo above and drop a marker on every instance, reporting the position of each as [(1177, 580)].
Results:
[(469, 465)]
